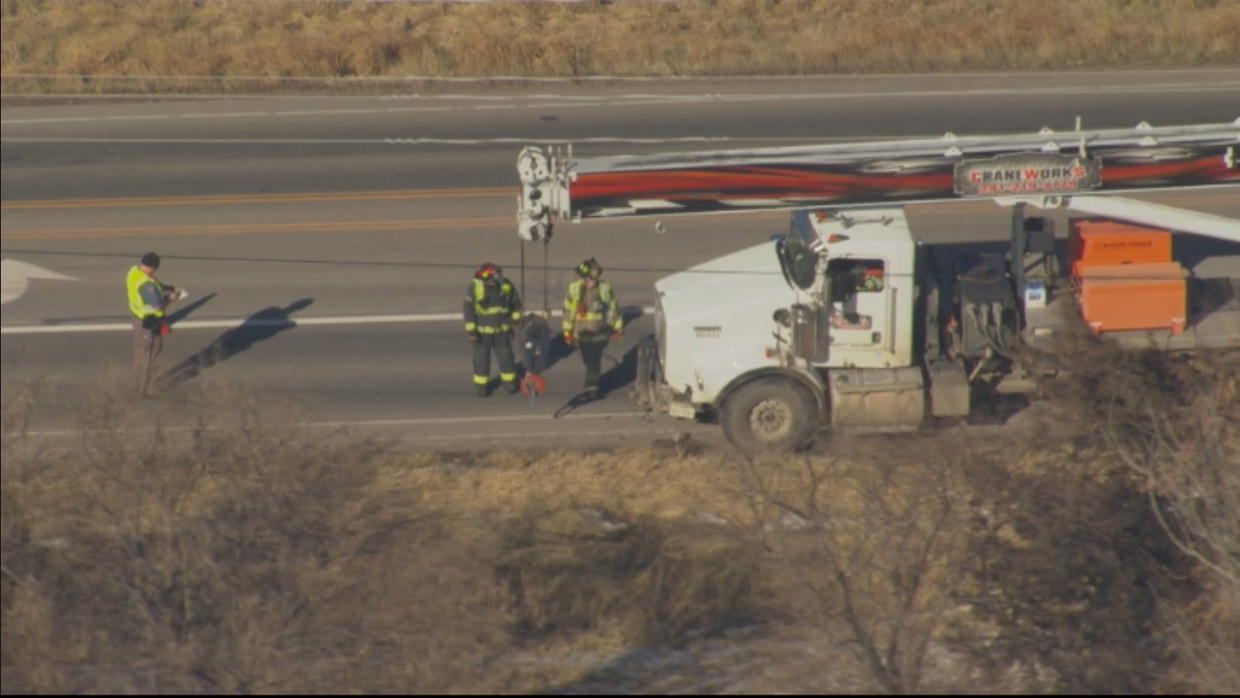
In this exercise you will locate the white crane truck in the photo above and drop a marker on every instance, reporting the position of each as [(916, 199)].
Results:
[(847, 321)]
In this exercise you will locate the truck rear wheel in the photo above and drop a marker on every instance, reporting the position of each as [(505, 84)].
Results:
[(769, 415)]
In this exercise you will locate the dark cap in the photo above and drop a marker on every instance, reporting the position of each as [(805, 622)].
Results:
[(150, 259)]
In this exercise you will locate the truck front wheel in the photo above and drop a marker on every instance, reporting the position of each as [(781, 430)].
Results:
[(769, 415)]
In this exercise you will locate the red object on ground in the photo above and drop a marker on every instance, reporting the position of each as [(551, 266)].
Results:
[(533, 382)]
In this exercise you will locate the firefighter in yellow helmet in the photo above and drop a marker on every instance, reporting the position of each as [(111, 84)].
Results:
[(591, 318), (492, 307)]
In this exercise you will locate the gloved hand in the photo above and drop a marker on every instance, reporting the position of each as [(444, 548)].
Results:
[(615, 336), (474, 336), (569, 339)]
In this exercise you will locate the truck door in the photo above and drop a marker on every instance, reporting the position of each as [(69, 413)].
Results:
[(859, 294)]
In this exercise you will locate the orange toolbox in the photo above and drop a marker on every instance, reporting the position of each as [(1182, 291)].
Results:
[(1134, 296), (1104, 241)]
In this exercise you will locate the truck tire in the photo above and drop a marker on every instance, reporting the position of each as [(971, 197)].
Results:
[(769, 415)]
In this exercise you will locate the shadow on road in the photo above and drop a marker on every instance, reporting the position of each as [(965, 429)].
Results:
[(181, 314), (622, 373), (574, 402), (260, 326), (560, 349)]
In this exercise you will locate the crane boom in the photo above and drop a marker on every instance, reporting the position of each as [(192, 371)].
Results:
[(1140, 212), (556, 186)]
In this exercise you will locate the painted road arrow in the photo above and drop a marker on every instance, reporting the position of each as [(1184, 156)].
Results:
[(15, 278)]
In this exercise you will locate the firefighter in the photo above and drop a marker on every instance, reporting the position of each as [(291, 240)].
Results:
[(148, 298), (591, 318), (492, 307)]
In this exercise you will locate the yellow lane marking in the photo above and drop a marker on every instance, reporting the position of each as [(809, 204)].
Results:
[(1169, 197), (923, 209), (216, 200), (245, 228), (381, 195), (316, 227)]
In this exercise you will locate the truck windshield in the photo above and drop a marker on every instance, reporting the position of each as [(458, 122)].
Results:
[(796, 259)]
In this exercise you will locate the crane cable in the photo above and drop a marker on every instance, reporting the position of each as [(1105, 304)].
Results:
[(545, 267), (532, 383)]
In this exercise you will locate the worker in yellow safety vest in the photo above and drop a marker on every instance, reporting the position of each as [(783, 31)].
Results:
[(148, 299), (492, 308), (591, 318)]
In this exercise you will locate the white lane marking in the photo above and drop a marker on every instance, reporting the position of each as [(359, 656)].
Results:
[(470, 420), (337, 112), (414, 422), (593, 99), (573, 79), (647, 100), (220, 324), (258, 322), (15, 278), (427, 437), (388, 141)]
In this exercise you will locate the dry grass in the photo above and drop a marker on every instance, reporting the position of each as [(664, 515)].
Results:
[(1173, 425), (245, 558), (249, 555), (329, 39)]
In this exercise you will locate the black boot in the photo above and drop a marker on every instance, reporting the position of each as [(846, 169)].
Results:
[(511, 387), (483, 391)]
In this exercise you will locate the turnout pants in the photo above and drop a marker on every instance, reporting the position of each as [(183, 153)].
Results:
[(146, 346), (592, 345), (501, 343)]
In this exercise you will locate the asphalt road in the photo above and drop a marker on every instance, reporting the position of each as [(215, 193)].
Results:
[(360, 219)]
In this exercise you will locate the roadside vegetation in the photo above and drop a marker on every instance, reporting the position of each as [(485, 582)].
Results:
[(1091, 551), (237, 45)]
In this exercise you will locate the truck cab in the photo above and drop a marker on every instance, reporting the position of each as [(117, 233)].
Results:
[(770, 337)]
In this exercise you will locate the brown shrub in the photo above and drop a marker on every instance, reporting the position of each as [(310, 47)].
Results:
[(246, 555), (585, 568), (1172, 422), (249, 554), (879, 543), (298, 38)]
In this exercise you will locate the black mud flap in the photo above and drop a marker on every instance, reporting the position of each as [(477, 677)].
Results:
[(649, 376)]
